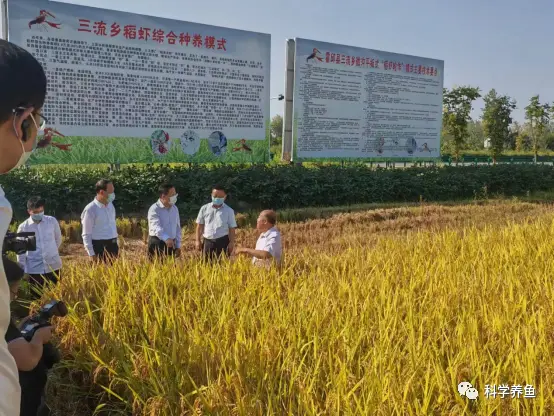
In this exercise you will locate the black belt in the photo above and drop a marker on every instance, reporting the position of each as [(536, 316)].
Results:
[(213, 240)]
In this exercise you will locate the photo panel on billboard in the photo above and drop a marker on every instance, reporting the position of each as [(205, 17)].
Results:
[(353, 103), (128, 88)]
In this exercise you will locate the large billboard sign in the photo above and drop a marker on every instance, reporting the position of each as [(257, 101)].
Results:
[(354, 103), (126, 88)]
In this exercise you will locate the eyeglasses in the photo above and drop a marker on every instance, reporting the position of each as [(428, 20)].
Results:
[(43, 120)]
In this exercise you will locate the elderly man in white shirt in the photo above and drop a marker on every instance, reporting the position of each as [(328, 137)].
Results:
[(99, 226), (164, 225), (268, 249), (43, 264)]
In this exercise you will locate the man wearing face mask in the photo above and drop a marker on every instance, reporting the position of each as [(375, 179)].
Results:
[(23, 91), (164, 225), (44, 264), (216, 224), (99, 227)]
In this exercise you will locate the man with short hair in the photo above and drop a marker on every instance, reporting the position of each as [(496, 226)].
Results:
[(164, 225), (216, 224), (99, 226), (44, 264), (268, 247), (23, 91)]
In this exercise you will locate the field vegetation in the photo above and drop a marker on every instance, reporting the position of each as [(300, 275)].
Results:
[(255, 187), (377, 312)]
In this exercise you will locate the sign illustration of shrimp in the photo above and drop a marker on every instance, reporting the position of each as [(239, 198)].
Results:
[(242, 147), (42, 22), (46, 140), (314, 55)]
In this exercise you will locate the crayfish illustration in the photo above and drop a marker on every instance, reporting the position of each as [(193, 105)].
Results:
[(242, 147), (314, 55), (46, 140), (41, 20)]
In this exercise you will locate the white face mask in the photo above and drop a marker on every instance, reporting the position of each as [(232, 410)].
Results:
[(173, 199), (23, 158)]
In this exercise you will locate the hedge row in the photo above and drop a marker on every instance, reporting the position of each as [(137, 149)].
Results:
[(69, 189)]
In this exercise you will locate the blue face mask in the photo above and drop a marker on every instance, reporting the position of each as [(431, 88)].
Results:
[(218, 201), (37, 217), (111, 197)]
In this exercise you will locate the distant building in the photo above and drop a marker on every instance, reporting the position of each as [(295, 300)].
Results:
[(487, 143)]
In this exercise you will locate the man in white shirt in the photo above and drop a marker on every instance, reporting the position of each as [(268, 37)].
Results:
[(216, 225), (99, 227), (164, 225), (23, 85), (44, 264), (268, 247)]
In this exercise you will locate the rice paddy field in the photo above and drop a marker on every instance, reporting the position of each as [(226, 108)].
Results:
[(376, 312)]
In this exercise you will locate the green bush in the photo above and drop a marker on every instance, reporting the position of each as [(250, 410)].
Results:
[(69, 189)]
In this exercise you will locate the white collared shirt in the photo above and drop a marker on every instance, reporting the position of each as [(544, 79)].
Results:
[(46, 258), (269, 241), (98, 222), (164, 223), (216, 221), (10, 397)]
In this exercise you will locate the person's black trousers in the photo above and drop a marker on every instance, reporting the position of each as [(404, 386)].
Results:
[(214, 249), (157, 247), (105, 249), (37, 282)]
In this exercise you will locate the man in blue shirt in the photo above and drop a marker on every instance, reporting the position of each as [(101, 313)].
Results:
[(164, 225)]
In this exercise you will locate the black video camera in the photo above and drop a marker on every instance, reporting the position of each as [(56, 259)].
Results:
[(41, 319), (19, 243)]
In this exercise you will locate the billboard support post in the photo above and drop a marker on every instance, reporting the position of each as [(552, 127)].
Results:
[(4, 17), (286, 154)]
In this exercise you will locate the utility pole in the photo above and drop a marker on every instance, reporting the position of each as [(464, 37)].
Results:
[(4, 19)]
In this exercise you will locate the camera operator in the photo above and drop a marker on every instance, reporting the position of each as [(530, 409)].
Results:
[(27, 354), (23, 85)]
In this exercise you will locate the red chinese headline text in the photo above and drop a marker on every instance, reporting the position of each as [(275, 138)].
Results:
[(337, 58), (156, 35)]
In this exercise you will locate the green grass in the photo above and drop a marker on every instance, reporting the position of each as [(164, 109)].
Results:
[(100, 150)]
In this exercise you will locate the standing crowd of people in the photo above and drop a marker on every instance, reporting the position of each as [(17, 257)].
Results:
[(24, 87), (215, 228)]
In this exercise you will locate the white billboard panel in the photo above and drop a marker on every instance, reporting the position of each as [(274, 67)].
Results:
[(122, 75), (354, 103)]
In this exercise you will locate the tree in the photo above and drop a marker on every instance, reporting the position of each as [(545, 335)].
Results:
[(276, 126), (457, 106), (497, 117), (475, 135), (538, 116)]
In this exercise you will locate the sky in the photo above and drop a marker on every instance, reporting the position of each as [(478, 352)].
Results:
[(501, 44)]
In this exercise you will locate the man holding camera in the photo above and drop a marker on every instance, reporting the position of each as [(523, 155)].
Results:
[(43, 264), (99, 226), (33, 372), (23, 84)]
